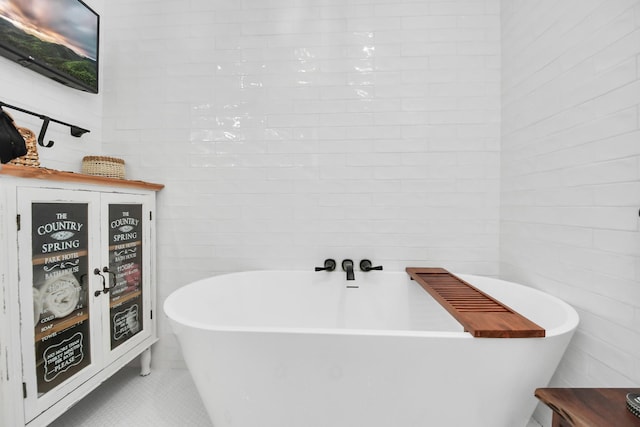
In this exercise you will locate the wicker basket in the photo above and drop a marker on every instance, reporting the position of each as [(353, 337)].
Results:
[(110, 167), (31, 158)]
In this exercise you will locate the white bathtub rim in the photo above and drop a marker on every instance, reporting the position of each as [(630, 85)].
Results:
[(568, 326)]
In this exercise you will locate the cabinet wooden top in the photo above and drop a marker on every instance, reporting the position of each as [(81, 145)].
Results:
[(587, 407), (56, 175)]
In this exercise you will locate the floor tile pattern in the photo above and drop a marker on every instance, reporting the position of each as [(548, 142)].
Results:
[(165, 398)]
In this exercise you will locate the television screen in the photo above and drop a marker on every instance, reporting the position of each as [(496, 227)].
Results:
[(57, 38)]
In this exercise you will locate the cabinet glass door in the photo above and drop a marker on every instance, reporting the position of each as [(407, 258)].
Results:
[(128, 235), (56, 252)]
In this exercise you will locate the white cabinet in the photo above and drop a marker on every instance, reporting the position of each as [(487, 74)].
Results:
[(77, 288)]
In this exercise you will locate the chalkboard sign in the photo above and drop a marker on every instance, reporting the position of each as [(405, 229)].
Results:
[(60, 291), (125, 264)]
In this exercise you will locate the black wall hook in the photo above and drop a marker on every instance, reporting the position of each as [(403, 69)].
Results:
[(43, 130), (76, 131)]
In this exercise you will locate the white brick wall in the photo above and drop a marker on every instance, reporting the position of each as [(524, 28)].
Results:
[(571, 173), (291, 131)]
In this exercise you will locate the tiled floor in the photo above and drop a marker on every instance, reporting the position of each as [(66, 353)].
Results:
[(166, 398)]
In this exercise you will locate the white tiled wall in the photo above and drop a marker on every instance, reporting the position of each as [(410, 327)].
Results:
[(571, 173), (290, 131)]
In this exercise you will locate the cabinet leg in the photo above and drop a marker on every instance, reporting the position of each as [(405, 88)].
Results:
[(145, 362)]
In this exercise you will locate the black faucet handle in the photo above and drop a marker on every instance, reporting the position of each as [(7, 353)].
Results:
[(329, 265), (365, 265)]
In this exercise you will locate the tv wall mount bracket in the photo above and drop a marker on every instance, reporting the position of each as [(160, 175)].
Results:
[(76, 131)]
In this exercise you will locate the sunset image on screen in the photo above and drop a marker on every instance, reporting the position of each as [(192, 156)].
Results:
[(61, 34)]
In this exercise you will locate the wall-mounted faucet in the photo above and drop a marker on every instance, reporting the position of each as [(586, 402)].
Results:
[(347, 265), (365, 265), (329, 265)]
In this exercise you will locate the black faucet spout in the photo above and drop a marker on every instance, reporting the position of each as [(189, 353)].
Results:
[(347, 265)]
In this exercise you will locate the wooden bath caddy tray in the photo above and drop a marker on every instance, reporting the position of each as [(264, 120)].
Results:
[(479, 314)]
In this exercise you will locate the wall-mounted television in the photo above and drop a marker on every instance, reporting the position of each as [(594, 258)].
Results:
[(57, 38)]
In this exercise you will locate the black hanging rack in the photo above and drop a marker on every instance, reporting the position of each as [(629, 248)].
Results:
[(75, 130)]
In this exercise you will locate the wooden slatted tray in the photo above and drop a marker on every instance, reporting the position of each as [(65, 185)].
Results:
[(479, 314)]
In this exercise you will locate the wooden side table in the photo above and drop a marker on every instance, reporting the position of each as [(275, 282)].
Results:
[(589, 407)]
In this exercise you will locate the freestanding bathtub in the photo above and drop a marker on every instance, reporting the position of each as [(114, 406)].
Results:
[(300, 349)]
